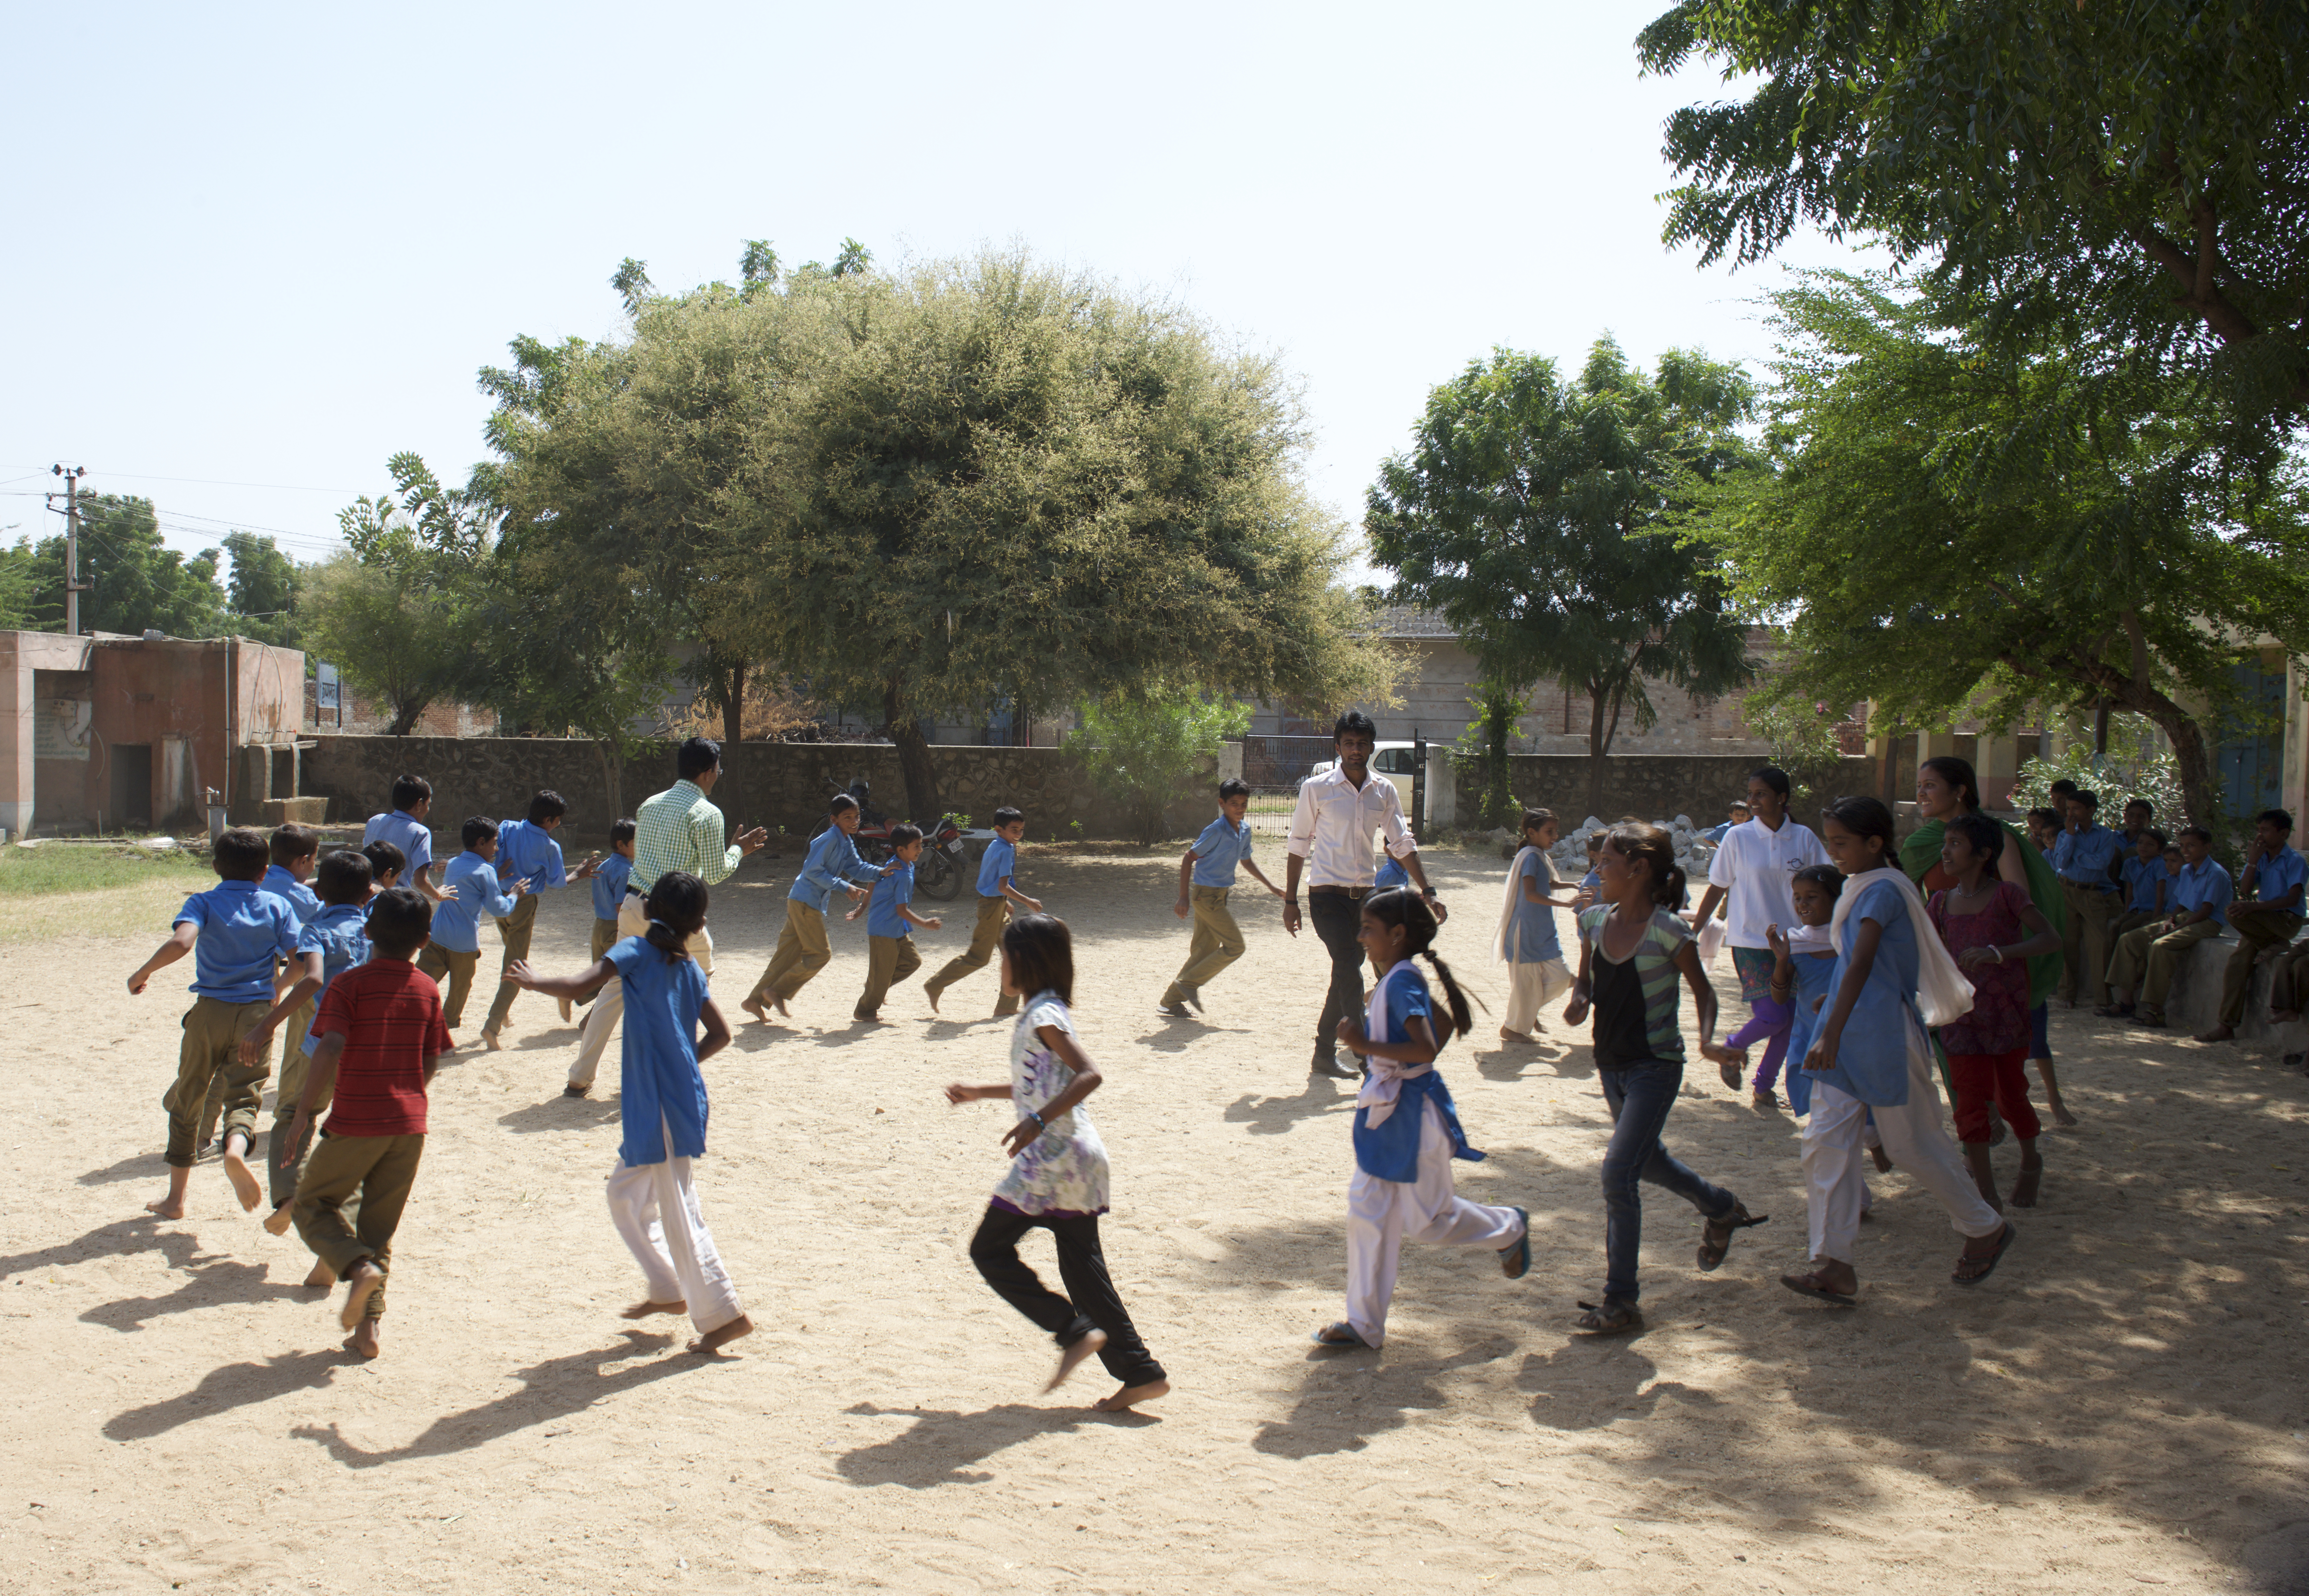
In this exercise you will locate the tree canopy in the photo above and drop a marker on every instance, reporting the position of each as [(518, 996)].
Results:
[(1525, 512), (137, 582), (2134, 177), (1946, 534)]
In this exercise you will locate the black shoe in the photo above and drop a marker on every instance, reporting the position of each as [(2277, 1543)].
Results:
[(1326, 1062), (1194, 996)]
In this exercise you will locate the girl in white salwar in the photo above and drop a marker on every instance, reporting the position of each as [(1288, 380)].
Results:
[(1526, 941), (1869, 1052), (653, 1200), (1406, 1127)]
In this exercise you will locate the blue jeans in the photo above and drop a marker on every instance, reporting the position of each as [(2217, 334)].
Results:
[(1639, 1095)]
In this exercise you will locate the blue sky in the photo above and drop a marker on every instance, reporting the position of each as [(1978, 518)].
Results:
[(256, 250)]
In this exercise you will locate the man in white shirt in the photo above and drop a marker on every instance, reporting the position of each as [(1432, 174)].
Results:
[(1756, 864), (1331, 833)]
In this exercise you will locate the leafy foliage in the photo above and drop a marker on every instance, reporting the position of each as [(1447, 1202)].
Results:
[(1498, 705), (138, 581), (2134, 767), (1144, 753), (262, 588)]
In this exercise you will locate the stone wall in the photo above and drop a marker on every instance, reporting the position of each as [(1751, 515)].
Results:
[(773, 784), (1651, 787)]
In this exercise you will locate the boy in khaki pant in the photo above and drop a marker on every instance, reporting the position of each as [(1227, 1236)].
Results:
[(235, 934), (1205, 878), (890, 956), (382, 1034), (995, 896)]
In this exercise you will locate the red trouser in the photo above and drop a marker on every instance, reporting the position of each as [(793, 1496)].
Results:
[(1979, 1079)]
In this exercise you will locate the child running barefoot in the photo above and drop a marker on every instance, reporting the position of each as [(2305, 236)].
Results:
[(1993, 930), (1633, 948), (1406, 1127), (1527, 942), (653, 1200), (1058, 1178)]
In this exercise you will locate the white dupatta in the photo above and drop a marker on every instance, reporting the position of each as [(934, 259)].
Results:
[(1383, 1083), (1513, 898), (1942, 993)]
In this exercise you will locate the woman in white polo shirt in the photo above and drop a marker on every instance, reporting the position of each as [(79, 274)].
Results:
[(1755, 865)]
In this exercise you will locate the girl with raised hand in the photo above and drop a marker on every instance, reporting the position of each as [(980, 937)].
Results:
[(1633, 948), (1870, 1051)]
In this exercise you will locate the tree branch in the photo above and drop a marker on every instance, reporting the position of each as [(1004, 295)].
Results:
[(2226, 321)]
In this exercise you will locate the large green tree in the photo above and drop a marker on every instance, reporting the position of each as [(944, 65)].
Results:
[(2137, 173), (261, 589), (1528, 512), (136, 581), (1950, 533)]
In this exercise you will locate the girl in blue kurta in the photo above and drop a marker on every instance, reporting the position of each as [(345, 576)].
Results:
[(651, 1198), (1406, 1127)]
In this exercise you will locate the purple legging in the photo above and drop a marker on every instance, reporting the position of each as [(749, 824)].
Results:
[(1768, 1023)]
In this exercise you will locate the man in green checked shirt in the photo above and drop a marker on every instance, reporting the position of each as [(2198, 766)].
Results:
[(678, 828)]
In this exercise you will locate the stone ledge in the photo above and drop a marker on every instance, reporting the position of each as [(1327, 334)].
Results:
[(2194, 1002)]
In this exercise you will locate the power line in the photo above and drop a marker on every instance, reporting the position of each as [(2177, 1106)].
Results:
[(207, 481)]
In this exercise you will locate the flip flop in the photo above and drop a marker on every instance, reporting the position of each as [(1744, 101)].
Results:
[(1341, 1334), (1612, 1318), (1988, 1266), (1808, 1285), (1515, 1258)]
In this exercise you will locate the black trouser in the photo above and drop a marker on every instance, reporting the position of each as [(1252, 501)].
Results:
[(1338, 919), (1082, 1266)]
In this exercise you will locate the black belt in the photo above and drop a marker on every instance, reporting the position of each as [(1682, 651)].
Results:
[(634, 892), (1344, 892)]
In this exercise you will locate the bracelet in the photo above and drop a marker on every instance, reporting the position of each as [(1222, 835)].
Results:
[(1039, 1123), (1998, 952)]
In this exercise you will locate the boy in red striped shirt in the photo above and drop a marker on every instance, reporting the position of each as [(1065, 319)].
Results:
[(381, 1032)]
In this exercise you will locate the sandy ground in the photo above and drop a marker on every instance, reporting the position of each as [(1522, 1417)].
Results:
[(2121, 1406)]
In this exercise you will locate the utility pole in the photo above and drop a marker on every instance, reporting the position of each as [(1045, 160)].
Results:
[(73, 586)]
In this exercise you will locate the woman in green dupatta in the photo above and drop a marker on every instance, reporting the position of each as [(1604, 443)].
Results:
[(1947, 787)]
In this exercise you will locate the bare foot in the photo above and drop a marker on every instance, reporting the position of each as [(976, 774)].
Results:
[(1883, 1159), (2218, 1033), (361, 1285), (643, 1310), (2286, 1016), (711, 1343), (931, 993), (321, 1278), (753, 1006), (171, 1206), (1517, 1036), (2024, 1193), (277, 1222), (244, 1179), (779, 1004), (363, 1342), (489, 1041), (1070, 1359), (1130, 1396)]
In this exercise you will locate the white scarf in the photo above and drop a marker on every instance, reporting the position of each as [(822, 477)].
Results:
[(1942, 993), (1384, 1084), (1513, 899)]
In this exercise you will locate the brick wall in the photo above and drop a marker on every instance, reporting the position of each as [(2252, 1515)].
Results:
[(1650, 786)]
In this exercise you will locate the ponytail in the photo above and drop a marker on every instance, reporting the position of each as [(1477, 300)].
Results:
[(1656, 849), (1400, 906), (676, 907)]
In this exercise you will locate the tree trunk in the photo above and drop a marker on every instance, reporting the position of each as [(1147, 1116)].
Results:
[(922, 805), (733, 707), (2200, 788), (613, 773), (406, 714), (1597, 742)]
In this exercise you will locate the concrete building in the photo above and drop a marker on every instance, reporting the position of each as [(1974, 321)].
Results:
[(127, 732)]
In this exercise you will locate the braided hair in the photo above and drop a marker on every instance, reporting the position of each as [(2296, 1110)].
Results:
[(1400, 906), (676, 907)]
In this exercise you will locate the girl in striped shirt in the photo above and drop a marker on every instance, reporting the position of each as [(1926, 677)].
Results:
[(1633, 949)]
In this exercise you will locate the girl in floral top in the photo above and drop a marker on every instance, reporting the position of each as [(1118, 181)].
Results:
[(1058, 1173), (1993, 930)]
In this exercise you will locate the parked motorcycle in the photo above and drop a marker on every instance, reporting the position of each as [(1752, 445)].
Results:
[(938, 873)]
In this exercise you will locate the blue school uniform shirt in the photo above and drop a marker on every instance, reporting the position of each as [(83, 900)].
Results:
[(528, 853), (1871, 1056), (2141, 879), (610, 886), (658, 1070), (291, 891), (832, 860), (1391, 1152), (339, 935), (882, 916), (469, 889), (999, 860), (242, 931), (1815, 977), (1391, 873), (1219, 851), (406, 832), (2278, 875), (2082, 858), (2199, 884), (1534, 939)]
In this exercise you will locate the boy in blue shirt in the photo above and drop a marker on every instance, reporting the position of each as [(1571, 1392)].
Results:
[(235, 934), (2144, 876), (469, 889), (529, 857), (1205, 878), (802, 948), (2197, 906), (334, 939), (2083, 857), (2267, 923), (890, 956), (609, 878), (996, 894), (294, 849)]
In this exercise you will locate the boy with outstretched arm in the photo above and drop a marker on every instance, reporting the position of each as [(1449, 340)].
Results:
[(1205, 879), (382, 1036), (995, 896), (469, 889), (234, 933), (802, 950), (890, 954), (529, 857), (609, 878)]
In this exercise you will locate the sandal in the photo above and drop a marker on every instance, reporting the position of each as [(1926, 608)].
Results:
[(1614, 1318), (1341, 1334), (1730, 1073), (2114, 1011), (1713, 1247), (1983, 1264), (576, 1090), (1810, 1285), (2149, 1019), (1514, 1257)]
